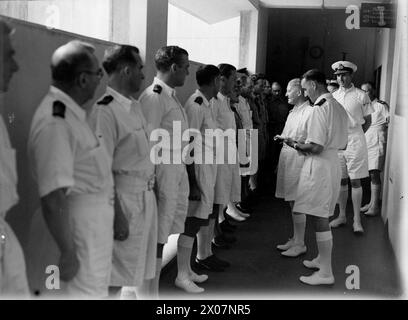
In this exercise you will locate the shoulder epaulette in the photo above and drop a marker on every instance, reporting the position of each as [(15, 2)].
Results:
[(158, 89), (105, 101), (199, 100), (320, 102), (58, 109), (382, 102)]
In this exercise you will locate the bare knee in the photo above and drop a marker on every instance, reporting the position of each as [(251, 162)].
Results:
[(355, 183), (375, 177), (321, 224)]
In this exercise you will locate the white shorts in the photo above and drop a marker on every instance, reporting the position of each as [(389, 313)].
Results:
[(354, 160), (290, 165), (319, 185), (228, 184), (13, 279), (376, 145), (172, 191), (134, 259), (206, 175)]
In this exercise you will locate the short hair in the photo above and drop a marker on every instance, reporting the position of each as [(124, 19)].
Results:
[(369, 83), (118, 55), (294, 82), (71, 59), (333, 84), (206, 74), (315, 75), (168, 55), (226, 69)]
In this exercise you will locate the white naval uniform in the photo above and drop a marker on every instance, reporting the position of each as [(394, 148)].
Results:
[(65, 153), (13, 278), (126, 137), (319, 182), (228, 182), (376, 135), (354, 160), (160, 110), (291, 161), (200, 117), (244, 111)]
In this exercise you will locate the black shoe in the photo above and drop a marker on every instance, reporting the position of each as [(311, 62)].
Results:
[(227, 227), (228, 238), (242, 208), (221, 263), (209, 264), (220, 243)]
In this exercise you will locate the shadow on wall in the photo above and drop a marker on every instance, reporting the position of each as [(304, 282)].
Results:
[(34, 45)]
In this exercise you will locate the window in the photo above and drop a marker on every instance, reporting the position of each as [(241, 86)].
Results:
[(206, 43)]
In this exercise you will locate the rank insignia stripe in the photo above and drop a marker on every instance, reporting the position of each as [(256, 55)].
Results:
[(199, 100), (58, 109), (158, 89), (105, 101)]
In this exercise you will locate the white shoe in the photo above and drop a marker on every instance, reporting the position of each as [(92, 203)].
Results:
[(316, 279), (234, 215), (357, 227), (338, 222), (311, 264), (286, 246), (198, 278), (365, 208), (371, 212), (188, 285), (294, 251)]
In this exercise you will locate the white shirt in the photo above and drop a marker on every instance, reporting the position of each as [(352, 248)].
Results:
[(200, 117), (161, 109), (327, 124), (8, 172), (357, 104), (381, 114), (124, 132), (295, 126), (64, 152)]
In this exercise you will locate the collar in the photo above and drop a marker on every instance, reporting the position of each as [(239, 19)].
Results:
[(200, 94), (347, 90), (169, 90), (304, 104), (69, 102), (323, 96), (123, 101), (221, 96)]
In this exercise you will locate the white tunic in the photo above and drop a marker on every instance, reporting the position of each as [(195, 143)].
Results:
[(13, 278), (162, 110), (65, 153), (124, 131), (290, 161), (200, 117), (376, 135), (319, 182), (228, 182), (357, 104)]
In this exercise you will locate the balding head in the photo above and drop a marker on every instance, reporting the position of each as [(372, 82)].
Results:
[(71, 59), (75, 70), (276, 89), (294, 92), (8, 65)]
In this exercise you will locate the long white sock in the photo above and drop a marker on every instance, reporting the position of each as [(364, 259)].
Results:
[(375, 195), (154, 283), (184, 248), (342, 201), (299, 226), (325, 244), (356, 197)]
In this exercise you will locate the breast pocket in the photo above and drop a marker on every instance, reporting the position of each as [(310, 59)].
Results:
[(8, 164), (140, 139)]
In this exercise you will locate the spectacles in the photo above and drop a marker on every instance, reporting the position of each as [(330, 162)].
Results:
[(98, 73)]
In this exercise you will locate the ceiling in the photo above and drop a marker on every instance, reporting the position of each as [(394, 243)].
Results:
[(213, 11), (328, 4)]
